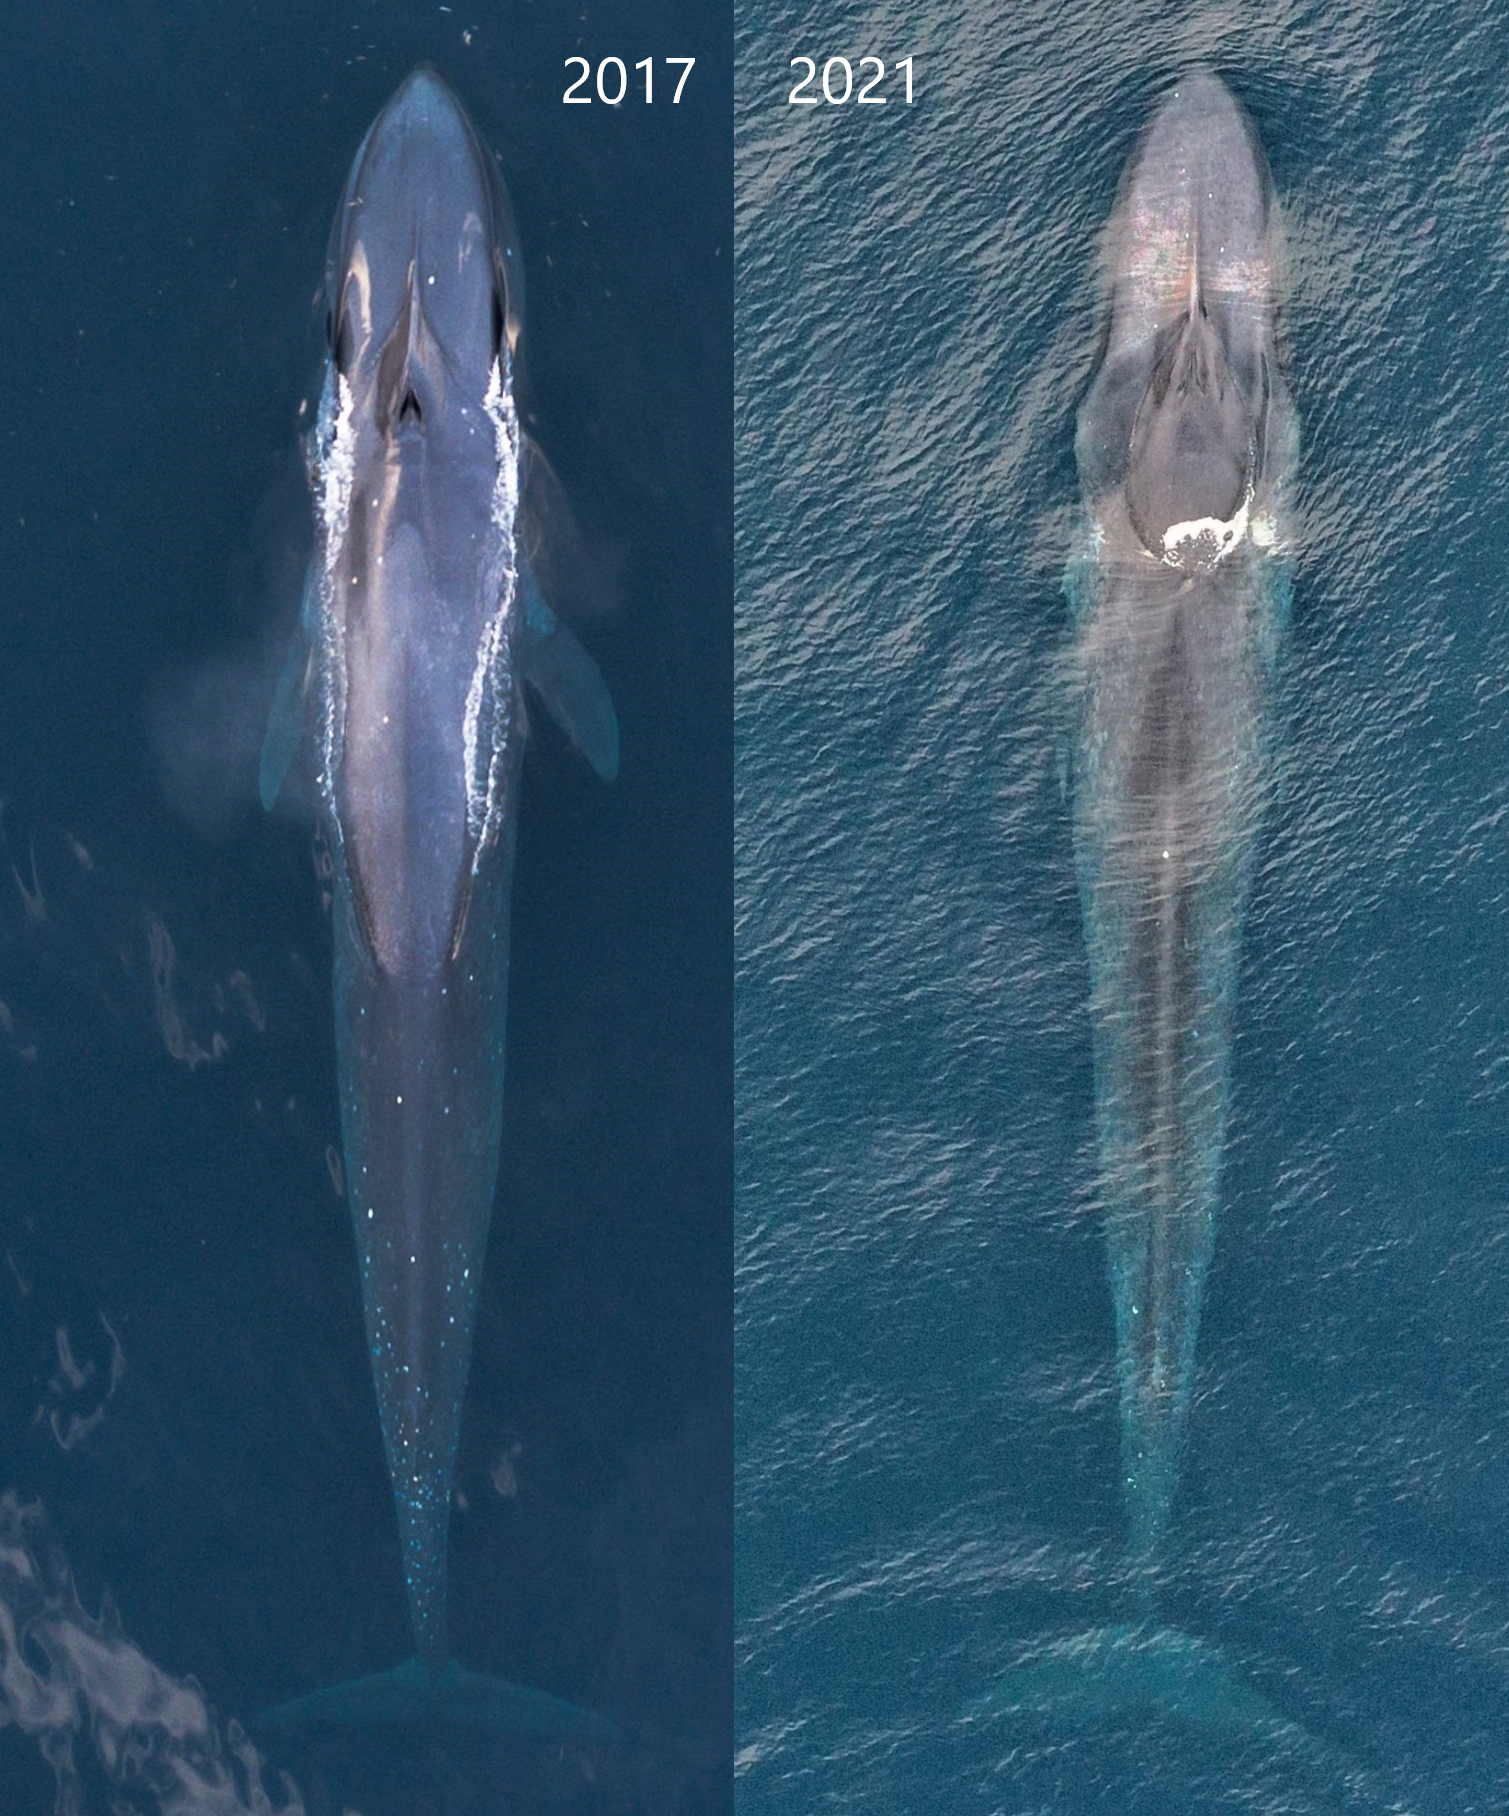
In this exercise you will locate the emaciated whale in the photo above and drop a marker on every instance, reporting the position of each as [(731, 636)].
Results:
[(1179, 585), (422, 621)]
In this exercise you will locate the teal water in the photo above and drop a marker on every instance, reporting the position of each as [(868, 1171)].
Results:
[(927, 1461)]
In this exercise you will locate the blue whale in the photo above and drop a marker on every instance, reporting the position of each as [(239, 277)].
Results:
[(1179, 586), (422, 623), (1185, 442)]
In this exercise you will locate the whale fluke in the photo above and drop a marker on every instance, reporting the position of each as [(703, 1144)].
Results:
[(411, 1695), (1143, 1670), (1084, 1677)]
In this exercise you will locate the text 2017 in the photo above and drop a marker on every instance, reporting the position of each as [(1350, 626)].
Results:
[(613, 80)]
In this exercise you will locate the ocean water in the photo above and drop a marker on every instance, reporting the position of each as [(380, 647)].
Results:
[(195, 1518), (927, 1449)]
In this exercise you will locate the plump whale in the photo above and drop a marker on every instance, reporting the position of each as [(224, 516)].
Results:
[(1178, 584), (422, 621)]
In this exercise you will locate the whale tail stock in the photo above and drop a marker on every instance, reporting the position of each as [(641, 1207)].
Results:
[(411, 1694)]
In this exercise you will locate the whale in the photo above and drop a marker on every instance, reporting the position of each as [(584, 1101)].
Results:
[(423, 623), (1185, 445), (1178, 583)]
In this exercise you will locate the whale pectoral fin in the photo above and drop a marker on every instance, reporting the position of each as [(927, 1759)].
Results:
[(567, 680), (285, 723), (286, 720)]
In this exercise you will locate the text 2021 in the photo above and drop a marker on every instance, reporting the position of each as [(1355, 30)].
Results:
[(838, 82)]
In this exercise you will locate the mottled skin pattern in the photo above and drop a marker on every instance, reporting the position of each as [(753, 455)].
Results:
[(1183, 444)]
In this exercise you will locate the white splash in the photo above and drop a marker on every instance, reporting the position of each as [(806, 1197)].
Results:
[(333, 471), (491, 679), (1224, 535)]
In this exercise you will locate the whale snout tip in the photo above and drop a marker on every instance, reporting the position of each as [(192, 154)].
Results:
[(1200, 108), (1201, 91), (423, 100)]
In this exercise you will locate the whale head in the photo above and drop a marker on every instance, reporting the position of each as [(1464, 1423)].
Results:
[(1192, 458)]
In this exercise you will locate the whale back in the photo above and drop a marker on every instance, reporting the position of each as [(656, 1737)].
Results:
[(1191, 455)]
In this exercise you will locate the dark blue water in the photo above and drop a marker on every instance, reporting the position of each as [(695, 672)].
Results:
[(927, 1466), (187, 1421)]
